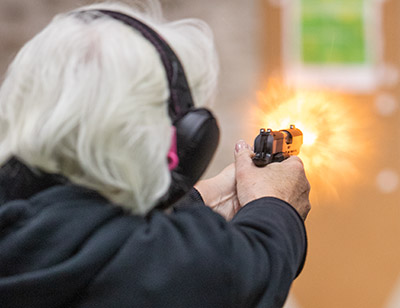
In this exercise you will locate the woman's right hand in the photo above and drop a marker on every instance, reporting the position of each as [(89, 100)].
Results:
[(285, 180)]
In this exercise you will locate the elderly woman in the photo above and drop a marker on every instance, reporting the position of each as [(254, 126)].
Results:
[(98, 136)]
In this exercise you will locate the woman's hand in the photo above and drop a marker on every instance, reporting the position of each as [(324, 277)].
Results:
[(286, 180), (219, 192), (242, 182)]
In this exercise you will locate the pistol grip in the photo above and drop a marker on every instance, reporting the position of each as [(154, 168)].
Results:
[(259, 162), (279, 157), (262, 162)]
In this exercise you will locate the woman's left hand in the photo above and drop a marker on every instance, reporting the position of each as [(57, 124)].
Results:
[(219, 192)]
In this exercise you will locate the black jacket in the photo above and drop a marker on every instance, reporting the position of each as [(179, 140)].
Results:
[(62, 245)]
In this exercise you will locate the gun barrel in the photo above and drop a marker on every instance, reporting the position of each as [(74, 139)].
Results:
[(294, 140)]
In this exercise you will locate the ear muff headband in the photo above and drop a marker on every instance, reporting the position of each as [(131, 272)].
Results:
[(180, 100), (197, 132)]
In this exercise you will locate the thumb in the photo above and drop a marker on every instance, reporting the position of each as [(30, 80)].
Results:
[(243, 154)]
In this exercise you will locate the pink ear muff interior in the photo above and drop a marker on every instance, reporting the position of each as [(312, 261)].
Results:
[(173, 159)]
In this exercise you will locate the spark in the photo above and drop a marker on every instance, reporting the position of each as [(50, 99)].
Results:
[(332, 126)]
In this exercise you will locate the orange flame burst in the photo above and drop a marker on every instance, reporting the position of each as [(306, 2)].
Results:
[(334, 140)]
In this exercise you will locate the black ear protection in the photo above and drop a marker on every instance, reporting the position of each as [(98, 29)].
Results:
[(197, 130)]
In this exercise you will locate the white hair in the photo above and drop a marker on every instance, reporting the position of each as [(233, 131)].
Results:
[(87, 98)]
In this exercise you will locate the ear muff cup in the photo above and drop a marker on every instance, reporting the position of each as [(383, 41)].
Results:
[(197, 141)]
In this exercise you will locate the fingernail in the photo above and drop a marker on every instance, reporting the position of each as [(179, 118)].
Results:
[(240, 145)]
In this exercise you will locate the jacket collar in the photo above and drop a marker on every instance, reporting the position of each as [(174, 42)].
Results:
[(18, 181)]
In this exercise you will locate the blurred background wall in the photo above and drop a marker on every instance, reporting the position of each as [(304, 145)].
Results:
[(354, 251)]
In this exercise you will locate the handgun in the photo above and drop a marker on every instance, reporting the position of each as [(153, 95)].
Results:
[(275, 146)]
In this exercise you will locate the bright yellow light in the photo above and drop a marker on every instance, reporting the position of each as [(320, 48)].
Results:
[(333, 140), (309, 137)]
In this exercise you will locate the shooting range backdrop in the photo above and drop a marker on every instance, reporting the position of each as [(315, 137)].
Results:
[(351, 47)]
